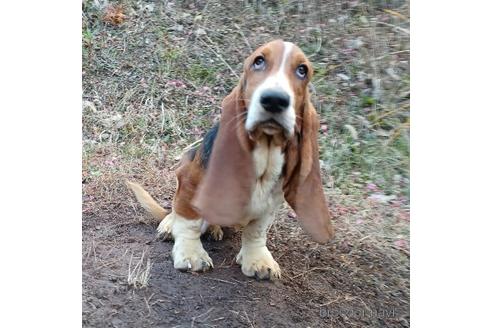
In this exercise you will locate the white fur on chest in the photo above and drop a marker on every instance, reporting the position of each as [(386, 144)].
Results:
[(267, 192)]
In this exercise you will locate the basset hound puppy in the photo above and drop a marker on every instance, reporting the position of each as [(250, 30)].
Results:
[(263, 150)]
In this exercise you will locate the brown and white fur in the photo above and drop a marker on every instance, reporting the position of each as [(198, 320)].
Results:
[(263, 151)]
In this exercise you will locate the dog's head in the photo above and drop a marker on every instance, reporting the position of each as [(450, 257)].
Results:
[(274, 87)]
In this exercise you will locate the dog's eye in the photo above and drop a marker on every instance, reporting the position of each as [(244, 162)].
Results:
[(259, 63), (301, 71)]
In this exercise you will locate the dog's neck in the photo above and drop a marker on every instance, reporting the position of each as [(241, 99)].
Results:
[(268, 157)]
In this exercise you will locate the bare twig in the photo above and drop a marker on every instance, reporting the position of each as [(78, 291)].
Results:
[(110, 262), (308, 271), (391, 53), (185, 149), (220, 280), (147, 302), (201, 315), (398, 28), (218, 55), (395, 13), (388, 113), (244, 37), (330, 302), (404, 251), (247, 318)]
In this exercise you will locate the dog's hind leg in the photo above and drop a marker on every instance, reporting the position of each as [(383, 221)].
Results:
[(215, 232)]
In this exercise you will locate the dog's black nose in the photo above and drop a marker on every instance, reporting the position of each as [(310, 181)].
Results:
[(274, 101)]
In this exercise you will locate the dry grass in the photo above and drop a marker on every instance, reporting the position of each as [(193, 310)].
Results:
[(153, 84), (139, 275)]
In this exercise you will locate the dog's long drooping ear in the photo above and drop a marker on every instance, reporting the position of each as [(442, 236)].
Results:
[(303, 188), (225, 190)]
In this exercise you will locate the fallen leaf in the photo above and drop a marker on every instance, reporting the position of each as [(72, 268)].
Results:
[(114, 15)]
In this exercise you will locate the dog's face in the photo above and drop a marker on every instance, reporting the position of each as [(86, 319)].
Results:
[(274, 87)]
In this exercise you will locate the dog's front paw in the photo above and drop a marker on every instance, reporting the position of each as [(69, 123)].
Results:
[(258, 262), (189, 255)]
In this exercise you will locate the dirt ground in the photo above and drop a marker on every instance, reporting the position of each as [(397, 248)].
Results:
[(352, 282), (154, 74)]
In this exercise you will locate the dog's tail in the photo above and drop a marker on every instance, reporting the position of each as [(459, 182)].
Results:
[(147, 202)]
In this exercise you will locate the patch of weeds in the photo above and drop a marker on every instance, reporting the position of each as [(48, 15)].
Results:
[(169, 56), (87, 37), (201, 74), (357, 152), (367, 101), (134, 151), (137, 127), (87, 43), (313, 43)]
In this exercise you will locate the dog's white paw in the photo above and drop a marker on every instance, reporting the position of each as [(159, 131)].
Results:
[(258, 262), (165, 228), (189, 255)]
